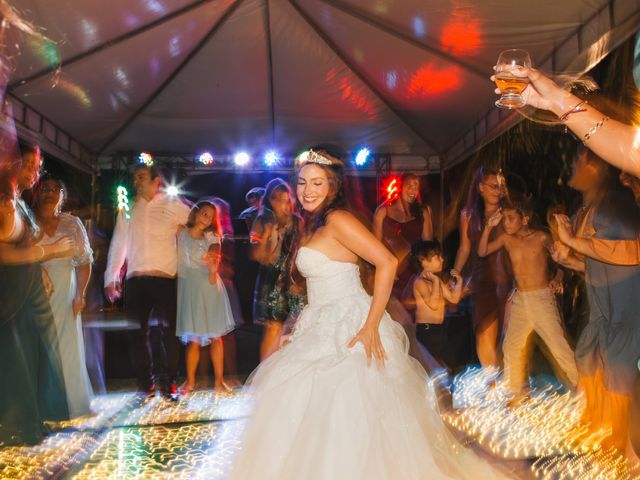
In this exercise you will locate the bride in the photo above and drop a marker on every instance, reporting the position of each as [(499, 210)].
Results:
[(343, 399)]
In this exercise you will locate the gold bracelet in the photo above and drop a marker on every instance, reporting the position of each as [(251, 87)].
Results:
[(42, 250), (575, 109), (593, 130)]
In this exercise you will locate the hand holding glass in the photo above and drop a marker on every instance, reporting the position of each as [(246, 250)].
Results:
[(510, 85)]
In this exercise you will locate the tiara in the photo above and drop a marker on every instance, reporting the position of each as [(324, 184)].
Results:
[(313, 157)]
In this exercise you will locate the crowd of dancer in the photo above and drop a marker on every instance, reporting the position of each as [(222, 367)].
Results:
[(171, 259)]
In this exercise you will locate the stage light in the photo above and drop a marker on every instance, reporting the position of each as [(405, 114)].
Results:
[(362, 156), (241, 159), (270, 158), (391, 189), (205, 158), (123, 200), (173, 191), (145, 158)]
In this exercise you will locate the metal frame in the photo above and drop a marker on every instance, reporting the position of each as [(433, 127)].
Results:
[(210, 34), (493, 123), (31, 125), (267, 26), (109, 43), (385, 27), (363, 78)]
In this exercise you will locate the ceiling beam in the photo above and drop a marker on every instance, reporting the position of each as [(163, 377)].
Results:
[(267, 26), (210, 34), (385, 27), (109, 43), (361, 75)]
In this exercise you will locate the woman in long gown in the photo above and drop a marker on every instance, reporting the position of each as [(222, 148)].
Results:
[(70, 277), (490, 278), (30, 372), (343, 400)]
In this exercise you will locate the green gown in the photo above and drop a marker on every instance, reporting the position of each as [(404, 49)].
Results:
[(30, 372)]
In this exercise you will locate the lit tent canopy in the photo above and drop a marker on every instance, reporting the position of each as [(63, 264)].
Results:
[(407, 78)]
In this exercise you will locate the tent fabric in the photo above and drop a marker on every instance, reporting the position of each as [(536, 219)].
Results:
[(404, 77)]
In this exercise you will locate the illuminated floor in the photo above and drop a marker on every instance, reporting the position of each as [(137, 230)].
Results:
[(197, 437)]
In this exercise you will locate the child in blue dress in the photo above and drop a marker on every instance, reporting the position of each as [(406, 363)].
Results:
[(204, 310)]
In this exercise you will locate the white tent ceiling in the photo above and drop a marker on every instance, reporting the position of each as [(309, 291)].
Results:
[(405, 77)]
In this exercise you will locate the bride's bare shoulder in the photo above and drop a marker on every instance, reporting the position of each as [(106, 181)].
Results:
[(340, 216)]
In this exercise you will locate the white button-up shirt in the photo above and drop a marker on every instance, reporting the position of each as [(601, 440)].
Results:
[(147, 240)]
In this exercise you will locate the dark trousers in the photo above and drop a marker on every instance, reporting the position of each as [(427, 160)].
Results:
[(147, 298), (435, 339)]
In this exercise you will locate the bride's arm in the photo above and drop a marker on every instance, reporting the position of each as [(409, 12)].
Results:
[(354, 236)]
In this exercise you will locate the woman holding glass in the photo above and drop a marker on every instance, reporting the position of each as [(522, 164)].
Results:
[(70, 277), (615, 142)]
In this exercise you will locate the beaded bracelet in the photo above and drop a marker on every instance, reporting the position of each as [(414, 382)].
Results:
[(594, 129), (575, 109)]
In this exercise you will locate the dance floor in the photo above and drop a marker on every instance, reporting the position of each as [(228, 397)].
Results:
[(197, 437)]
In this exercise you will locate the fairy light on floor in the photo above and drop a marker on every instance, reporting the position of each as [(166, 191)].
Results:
[(57, 453), (199, 406), (546, 426), (599, 464), (198, 437), (174, 452), (105, 408)]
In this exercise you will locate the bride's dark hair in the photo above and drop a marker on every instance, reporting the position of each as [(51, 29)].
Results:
[(335, 199)]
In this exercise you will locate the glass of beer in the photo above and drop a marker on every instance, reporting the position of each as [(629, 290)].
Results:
[(511, 86)]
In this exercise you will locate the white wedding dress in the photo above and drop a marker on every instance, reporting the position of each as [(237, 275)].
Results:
[(322, 414)]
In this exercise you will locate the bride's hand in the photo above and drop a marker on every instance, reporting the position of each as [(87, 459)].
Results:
[(370, 339)]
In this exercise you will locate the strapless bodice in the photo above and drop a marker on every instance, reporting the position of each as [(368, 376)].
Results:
[(327, 280)]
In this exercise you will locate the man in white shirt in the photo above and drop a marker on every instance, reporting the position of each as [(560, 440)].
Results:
[(147, 242)]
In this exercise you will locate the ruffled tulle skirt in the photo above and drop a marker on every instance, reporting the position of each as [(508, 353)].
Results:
[(322, 413)]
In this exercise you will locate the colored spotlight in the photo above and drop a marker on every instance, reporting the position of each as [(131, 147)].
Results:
[(145, 158), (241, 159), (362, 156), (270, 158), (173, 191), (205, 158)]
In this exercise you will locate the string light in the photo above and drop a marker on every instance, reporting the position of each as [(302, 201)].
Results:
[(172, 191), (270, 158), (241, 159), (362, 156), (123, 200), (146, 158), (205, 158), (391, 189)]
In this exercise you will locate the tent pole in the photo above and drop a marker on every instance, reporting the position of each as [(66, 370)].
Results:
[(442, 197), (267, 21)]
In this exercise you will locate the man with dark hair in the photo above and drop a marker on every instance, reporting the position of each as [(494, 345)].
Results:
[(607, 350), (147, 242), (253, 198)]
